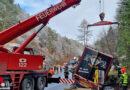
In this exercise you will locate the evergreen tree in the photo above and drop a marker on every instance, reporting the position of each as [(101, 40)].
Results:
[(124, 43)]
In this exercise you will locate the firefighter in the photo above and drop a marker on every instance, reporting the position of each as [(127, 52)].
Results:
[(51, 72), (66, 72), (123, 79)]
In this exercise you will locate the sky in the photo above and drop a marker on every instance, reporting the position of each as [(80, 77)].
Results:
[(67, 23)]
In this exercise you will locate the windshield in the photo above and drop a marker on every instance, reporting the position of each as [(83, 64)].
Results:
[(28, 52)]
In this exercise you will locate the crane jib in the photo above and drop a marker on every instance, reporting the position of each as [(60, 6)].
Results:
[(49, 11), (40, 18)]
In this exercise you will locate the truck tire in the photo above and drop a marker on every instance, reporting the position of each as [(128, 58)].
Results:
[(27, 84), (41, 83)]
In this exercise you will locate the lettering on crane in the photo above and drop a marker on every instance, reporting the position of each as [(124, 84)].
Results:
[(22, 62), (49, 11)]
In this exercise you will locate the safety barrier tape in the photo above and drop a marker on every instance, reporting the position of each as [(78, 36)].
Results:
[(67, 81)]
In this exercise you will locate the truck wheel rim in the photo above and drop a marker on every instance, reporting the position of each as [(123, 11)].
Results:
[(41, 83), (28, 86)]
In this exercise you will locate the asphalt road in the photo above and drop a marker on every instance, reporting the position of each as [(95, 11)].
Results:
[(60, 86)]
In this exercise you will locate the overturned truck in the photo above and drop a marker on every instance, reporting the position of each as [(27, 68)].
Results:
[(92, 70)]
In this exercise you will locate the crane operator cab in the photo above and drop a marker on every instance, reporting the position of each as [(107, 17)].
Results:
[(30, 51), (25, 60)]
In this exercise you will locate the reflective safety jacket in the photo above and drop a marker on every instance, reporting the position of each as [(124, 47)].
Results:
[(51, 72), (124, 79)]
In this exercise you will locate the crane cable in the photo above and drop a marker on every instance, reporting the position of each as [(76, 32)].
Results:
[(102, 14), (101, 5)]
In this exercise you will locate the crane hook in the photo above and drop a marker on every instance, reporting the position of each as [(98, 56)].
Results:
[(102, 15)]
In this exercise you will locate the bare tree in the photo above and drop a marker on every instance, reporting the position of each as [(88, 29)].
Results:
[(84, 32)]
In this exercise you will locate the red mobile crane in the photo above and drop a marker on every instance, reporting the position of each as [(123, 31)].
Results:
[(24, 71)]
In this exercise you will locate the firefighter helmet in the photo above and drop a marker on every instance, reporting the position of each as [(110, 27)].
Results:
[(123, 70)]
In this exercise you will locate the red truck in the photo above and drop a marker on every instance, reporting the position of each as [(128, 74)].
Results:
[(19, 70)]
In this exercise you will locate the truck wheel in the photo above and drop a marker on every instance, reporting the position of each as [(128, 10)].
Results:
[(27, 84), (41, 83)]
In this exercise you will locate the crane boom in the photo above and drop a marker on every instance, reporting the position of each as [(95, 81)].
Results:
[(40, 18)]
